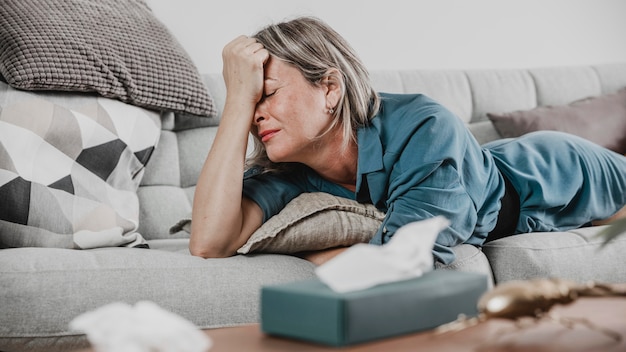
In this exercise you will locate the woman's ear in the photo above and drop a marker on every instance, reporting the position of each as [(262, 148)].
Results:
[(333, 83)]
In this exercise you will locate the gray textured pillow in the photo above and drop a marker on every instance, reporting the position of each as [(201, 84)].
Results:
[(600, 119), (311, 221), (116, 48)]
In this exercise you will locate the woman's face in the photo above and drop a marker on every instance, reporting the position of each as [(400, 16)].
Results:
[(291, 114)]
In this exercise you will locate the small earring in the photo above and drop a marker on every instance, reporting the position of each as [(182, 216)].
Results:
[(331, 110)]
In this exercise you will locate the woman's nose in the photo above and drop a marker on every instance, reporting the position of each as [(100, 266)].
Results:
[(259, 114)]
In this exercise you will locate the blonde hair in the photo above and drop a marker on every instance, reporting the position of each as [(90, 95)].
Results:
[(314, 48)]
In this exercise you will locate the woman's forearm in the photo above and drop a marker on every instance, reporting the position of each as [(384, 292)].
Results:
[(222, 220)]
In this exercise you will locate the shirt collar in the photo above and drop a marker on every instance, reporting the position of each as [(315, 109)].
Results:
[(370, 161), (370, 148)]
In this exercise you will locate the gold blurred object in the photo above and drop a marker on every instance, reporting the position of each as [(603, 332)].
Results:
[(534, 298), (516, 299)]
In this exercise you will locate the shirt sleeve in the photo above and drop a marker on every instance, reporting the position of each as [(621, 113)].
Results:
[(271, 191), (440, 193), (434, 167)]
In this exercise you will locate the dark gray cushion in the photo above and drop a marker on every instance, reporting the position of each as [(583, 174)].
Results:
[(114, 47)]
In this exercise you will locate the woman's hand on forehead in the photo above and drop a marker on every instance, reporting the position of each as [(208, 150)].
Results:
[(244, 58)]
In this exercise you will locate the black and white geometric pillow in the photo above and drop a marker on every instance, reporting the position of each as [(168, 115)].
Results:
[(70, 166)]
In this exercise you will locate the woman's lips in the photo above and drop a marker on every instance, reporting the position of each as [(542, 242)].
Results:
[(267, 135)]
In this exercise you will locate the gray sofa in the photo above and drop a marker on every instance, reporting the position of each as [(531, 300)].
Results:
[(42, 289)]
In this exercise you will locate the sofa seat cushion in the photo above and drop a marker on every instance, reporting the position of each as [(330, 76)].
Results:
[(576, 254), (469, 259), (43, 289)]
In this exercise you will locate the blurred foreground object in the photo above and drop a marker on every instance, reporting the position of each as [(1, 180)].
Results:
[(144, 327), (614, 229), (515, 300)]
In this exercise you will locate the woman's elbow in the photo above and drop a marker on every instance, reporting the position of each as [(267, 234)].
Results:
[(209, 250)]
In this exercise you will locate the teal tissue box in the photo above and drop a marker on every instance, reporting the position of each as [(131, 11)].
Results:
[(310, 310)]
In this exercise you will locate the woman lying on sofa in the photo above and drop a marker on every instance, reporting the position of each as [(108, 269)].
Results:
[(318, 126)]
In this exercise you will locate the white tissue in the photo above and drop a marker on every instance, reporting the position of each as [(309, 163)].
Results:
[(407, 255), (144, 327)]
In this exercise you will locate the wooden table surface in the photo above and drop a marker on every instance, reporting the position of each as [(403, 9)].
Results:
[(493, 335), (490, 336)]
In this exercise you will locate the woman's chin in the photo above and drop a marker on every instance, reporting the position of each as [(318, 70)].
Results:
[(279, 158), (275, 157), (282, 153)]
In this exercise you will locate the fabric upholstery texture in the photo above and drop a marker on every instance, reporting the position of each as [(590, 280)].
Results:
[(115, 48), (600, 119), (315, 221), (167, 188), (56, 285), (70, 166), (576, 254)]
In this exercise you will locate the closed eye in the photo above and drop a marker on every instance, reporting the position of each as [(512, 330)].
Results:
[(265, 96)]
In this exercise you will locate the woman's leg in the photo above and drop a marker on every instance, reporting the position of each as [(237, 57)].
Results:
[(621, 214), (563, 181)]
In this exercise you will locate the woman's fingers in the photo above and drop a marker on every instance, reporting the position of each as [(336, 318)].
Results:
[(244, 58), (245, 49)]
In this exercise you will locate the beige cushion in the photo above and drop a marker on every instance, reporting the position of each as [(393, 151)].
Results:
[(315, 221), (116, 48), (311, 221), (600, 119)]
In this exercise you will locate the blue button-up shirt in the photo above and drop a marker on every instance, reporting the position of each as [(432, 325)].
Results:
[(416, 160)]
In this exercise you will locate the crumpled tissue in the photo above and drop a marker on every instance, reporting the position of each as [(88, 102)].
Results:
[(144, 327), (407, 255)]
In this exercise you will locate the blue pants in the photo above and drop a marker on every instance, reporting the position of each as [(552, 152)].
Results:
[(563, 181)]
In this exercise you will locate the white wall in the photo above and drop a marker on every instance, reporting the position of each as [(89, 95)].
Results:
[(390, 34)]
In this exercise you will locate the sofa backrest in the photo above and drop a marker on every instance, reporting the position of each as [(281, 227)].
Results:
[(166, 192), (472, 94)]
